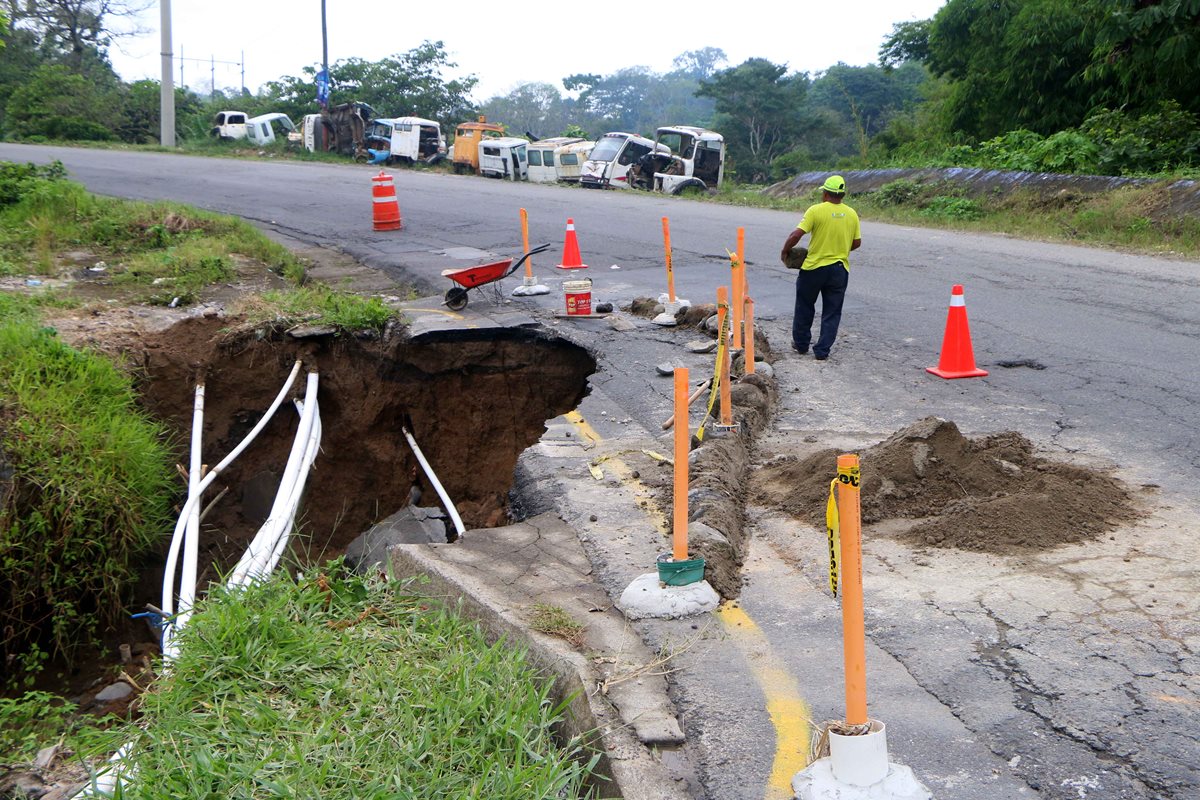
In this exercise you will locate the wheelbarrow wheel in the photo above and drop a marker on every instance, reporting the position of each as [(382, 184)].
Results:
[(456, 298)]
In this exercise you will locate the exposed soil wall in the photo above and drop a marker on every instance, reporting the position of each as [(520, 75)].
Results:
[(474, 403)]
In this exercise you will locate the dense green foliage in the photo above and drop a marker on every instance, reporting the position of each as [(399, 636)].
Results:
[(85, 490), (1099, 85), (347, 688)]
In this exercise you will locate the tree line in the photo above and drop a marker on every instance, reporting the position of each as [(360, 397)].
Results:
[(1086, 86)]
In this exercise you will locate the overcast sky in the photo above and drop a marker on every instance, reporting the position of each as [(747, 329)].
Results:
[(505, 44)]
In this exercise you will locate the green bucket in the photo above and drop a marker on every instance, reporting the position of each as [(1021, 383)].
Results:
[(680, 573)]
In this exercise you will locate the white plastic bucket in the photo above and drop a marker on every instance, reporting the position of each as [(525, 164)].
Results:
[(579, 297)]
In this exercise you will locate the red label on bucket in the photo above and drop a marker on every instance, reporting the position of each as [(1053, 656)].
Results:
[(579, 297)]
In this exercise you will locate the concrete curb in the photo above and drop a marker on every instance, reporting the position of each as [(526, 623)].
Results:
[(627, 768)]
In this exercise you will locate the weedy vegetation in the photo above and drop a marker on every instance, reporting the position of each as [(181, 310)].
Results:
[(85, 491), (330, 685), (554, 621)]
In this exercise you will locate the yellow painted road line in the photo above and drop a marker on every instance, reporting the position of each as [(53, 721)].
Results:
[(623, 472), (789, 713)]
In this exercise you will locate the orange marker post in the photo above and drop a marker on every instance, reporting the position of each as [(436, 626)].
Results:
[(670, 265), (525, 241), (737, 268), (683, 435), (723, 349), (749, 359), (854, 645)]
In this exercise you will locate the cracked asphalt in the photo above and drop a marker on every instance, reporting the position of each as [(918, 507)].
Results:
[(1075, 669)]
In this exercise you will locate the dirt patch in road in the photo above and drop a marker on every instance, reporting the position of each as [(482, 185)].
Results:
[(990, 494)]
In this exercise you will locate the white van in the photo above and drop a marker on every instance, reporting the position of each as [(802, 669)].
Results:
[(229, 125), (261, 129), (569, 160), (541, 158), (504, 157), (699, 159), (608, 164), (405, 139)]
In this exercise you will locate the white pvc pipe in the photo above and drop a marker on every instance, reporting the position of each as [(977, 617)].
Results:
[(437, 485), (254, 560), (310, 455), (194, 499), (191, 542)]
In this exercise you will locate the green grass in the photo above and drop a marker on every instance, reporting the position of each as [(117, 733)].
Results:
[(90, 492), (317, 304), (169, 248), (333, 686), (554, 621), (1132, 218)]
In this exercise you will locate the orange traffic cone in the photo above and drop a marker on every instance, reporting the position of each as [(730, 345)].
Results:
[(387, 207), (571, 257), (958, 357)]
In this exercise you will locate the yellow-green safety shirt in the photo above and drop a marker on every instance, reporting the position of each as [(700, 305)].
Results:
[(833, 228)]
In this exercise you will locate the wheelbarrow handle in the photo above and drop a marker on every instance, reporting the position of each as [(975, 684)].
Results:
[(539, 249)]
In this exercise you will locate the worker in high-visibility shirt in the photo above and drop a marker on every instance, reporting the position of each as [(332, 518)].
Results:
[(825, 270)]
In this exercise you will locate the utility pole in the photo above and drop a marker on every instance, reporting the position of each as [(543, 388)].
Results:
[(324, 51), (212, 75), (166, 97), (243, 66)]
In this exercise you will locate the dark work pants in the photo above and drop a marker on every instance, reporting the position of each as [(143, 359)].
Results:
[(829, 283)]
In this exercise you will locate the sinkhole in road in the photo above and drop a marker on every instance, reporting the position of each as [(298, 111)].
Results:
[(476, 400)]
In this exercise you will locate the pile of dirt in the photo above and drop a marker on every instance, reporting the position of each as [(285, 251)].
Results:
[(990, 494)]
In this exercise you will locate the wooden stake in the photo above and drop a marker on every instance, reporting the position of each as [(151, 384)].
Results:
[(853, 636), (699, 391), (683, 435)]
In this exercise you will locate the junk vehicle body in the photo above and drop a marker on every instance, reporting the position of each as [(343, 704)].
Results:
[(229, 125), (505, 157), (403, 139), (569, 160), (695, 161), (467, 137), (615, 153), (340, 129), (542, 168), (262, 129)]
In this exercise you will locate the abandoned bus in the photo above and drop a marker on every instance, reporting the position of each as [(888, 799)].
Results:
[(541, 158), (568, 160)]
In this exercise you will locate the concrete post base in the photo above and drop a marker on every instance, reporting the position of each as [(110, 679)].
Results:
[(530, 287), (647, 598), (817, 782)]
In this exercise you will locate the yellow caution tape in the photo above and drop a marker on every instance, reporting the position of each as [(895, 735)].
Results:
[(833, 529), (850, 475), (596, 473), (722, 338), (657, 456)]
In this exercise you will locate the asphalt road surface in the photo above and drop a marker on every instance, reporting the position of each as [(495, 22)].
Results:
[(1078, 665), (1089, 350)]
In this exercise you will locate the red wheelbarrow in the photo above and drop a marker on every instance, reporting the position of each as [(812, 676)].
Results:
[(474, 277)]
